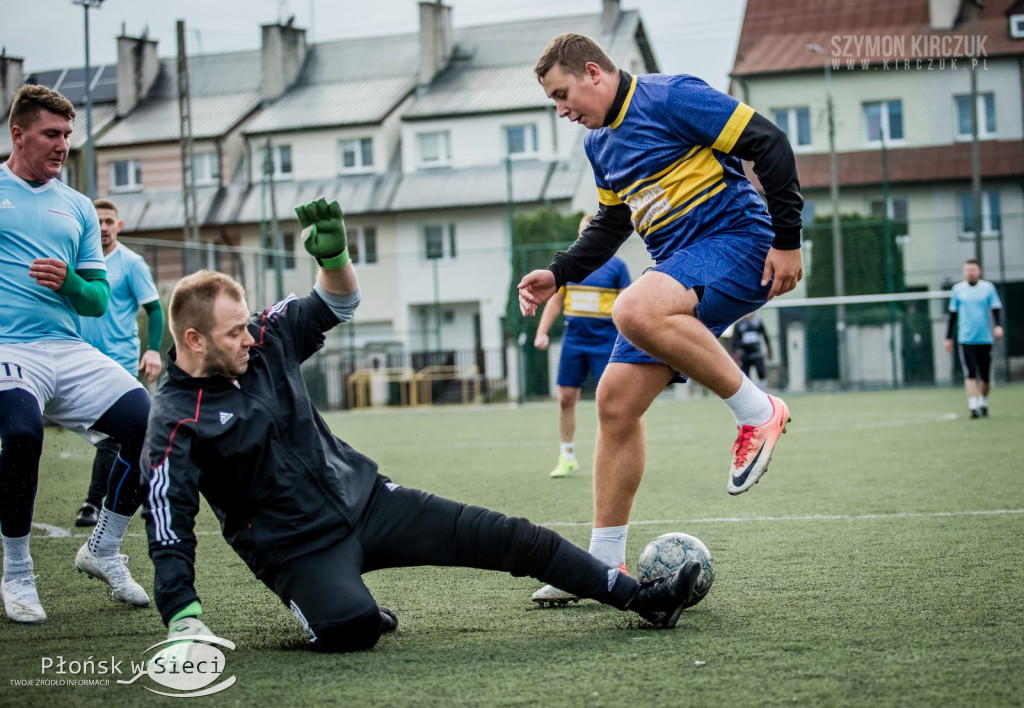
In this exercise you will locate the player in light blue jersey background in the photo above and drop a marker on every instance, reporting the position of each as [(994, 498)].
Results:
[(51, 271), (973, 307), (116, 334)]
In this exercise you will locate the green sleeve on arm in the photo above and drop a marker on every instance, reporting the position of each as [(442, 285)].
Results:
[(156, 325), (87, 290), (192, 609)]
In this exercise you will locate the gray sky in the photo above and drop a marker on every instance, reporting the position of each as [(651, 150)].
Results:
[(689, 36)]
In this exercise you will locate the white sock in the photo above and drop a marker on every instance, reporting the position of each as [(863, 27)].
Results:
[(568, 451), (17, 561), (972, 402), (105, 540), (750, 405), (983, 401), (608, 544)]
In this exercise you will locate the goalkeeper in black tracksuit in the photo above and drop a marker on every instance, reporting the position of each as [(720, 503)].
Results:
[(307, 513)]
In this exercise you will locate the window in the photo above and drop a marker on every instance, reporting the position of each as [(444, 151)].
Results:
[(433, 149), (270, 259), (795, 123), (362, 245), (897, 210), (206, 168), (281, 156), (986, 116), (436, 237), (991, 220), (884, 120), (521, 140), (356, 155), (126, 176)]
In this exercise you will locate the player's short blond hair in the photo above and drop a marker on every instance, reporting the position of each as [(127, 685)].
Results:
[(192, 301), (571, 52), (104, 203), (32, 98)]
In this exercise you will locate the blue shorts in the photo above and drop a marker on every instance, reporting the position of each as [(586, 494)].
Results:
[(580, 357), (729, 268)]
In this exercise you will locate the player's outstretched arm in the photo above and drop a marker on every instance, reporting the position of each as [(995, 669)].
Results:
[(552, 309)]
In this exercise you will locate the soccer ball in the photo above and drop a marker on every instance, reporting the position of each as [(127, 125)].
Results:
[(667, 553)]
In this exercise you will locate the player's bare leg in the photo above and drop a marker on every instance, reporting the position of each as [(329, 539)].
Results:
[(567, 462), (657, 314)]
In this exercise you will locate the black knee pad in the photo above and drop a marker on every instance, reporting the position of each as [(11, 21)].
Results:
[(356, 634)]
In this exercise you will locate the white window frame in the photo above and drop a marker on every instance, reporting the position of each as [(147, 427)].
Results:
[(449, 249), (358, 238), (134, 183), (983, 116), (288, 240), (884, 127), (988, 230), (357, 146), (530, 141), (792, 126), (275, 152), (444, 151), (206, 168)]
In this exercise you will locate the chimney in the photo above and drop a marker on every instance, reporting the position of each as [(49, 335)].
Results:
[(12, 76), (137, 69), (609, 15), (284, 51), (436, 39), (942, 14)]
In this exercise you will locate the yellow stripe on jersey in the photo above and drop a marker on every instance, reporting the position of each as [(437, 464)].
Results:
[(588, 301), (737, 122), (686, 184), (625, 105), (608, 197)]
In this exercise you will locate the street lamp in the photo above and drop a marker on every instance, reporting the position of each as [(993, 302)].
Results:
[(837, 231), (90, 172)]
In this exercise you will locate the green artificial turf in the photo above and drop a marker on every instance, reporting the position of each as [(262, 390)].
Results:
[(877, 563)]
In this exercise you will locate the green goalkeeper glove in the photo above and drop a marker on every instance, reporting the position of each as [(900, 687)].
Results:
[(186, 623), (182, 627), (323, 233)]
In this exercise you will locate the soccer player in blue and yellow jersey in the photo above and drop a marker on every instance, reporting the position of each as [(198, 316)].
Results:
[(52, 271), (666, 153), (973, 306), (586, 345), (116, 334)]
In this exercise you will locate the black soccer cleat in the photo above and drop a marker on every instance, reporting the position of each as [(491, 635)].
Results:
[(88, 515), (975, 413), (388, 620), (984, 411), (662, 600)]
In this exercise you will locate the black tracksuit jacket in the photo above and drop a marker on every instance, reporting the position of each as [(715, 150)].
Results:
[(280, 483)]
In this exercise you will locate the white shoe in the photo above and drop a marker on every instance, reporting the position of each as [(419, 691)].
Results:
[(114, 573), (22, 601), (550, 596)]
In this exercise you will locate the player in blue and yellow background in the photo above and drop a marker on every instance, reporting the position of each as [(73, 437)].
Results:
[(586, 344), (973, 306), (116, 334), (667, 156)]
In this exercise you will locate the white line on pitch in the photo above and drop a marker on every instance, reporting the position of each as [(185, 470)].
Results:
[(808, 517)]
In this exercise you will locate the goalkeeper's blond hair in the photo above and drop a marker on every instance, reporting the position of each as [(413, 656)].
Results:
[(192, 301)]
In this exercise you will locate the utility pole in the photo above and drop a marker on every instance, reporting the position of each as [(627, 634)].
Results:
[(188, 180), (90, 162), (975, 148), (837, 229)]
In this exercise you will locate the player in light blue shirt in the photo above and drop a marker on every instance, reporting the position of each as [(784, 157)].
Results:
[(51, 271), (116, 334), (973, 307)]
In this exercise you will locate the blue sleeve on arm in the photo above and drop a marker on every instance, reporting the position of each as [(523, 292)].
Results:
[(343, 306)]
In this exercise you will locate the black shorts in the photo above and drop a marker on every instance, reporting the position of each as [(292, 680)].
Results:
[(976, 360), (753, 362)]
